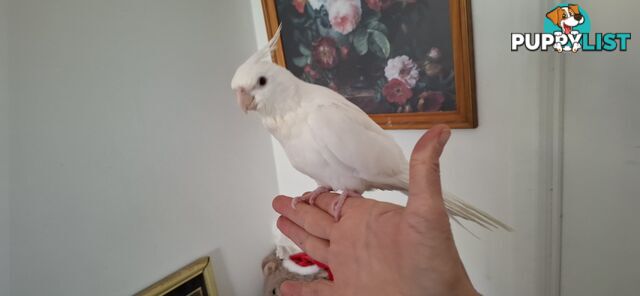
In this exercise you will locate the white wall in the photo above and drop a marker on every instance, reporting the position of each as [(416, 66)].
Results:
[(4, 153), (602, 162), (131, 156), (498, 166)]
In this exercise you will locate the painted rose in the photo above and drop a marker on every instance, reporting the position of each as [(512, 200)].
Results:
[(344, 15), (299, 5), (316, 4), (402, 68), (396, 91), (378, 5), (430, 101), (325, 53)]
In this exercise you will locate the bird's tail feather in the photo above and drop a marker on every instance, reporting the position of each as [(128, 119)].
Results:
[(456, 207)]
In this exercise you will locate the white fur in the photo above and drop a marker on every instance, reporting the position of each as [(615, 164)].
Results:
[(301, 270)]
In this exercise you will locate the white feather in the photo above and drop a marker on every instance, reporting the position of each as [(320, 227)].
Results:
[(330, 139)]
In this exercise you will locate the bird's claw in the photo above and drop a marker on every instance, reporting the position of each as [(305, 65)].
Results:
[(336, 206), (310, 197)]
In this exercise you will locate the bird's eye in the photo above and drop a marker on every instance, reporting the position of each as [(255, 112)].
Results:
[(273, 292), (262, 81)]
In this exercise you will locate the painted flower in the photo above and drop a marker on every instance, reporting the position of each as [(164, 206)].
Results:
[(396, 91), (344, 15), (299, 5), (344, 52), (407, 108), (378, 5), (433, 69), (316, 4), (435, 54), (332, 85), (402, 68), (325, 53), (430, 101), (311, 72), (375, 4)]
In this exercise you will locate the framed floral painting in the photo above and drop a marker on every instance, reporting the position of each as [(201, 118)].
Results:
[(407, 63)]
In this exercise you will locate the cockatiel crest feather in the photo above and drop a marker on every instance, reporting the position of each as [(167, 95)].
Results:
[(265, 53)]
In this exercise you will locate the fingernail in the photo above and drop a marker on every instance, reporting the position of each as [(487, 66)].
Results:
[(444, 135)]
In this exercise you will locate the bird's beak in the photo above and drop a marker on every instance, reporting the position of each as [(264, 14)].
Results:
[(245, 100)]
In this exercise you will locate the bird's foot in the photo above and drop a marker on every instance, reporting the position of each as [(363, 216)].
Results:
[(336, 207), (310, 197)]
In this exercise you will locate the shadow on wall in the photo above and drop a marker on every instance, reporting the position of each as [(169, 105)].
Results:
[(221, 273)]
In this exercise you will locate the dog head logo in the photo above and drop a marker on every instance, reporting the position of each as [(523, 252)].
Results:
[(567, 23), (566, 18)]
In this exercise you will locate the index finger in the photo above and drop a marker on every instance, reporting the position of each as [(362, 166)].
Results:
[(310, 218)]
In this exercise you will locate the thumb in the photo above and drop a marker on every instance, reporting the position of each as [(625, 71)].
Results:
[(425, 191), (298, 288)]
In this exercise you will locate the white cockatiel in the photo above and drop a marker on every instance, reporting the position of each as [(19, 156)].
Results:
[(328, 138)]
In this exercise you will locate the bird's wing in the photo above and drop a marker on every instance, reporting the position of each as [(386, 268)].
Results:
[(351, 137), (348, 134)]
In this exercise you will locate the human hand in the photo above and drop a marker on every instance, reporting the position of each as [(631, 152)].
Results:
[(380, 248)]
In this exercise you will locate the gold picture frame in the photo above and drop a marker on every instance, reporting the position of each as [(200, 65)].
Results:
[(463, 116), (195, 279)]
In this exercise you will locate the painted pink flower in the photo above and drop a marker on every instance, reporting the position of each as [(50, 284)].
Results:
[(378, 5), (402, 68), (430, 101), (375, 4), (396, 91), (344, 15), (325, 53), (344, 52), (299, 4)]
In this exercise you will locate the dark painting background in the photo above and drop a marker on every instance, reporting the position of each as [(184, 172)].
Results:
[(347, 45), (190, 286)]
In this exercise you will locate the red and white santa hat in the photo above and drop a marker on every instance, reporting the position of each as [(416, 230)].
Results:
[(303, 264)]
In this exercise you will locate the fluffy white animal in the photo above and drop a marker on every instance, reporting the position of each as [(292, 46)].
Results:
[(328, 138)]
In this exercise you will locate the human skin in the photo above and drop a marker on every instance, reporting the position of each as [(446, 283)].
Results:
[(379, 248)]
